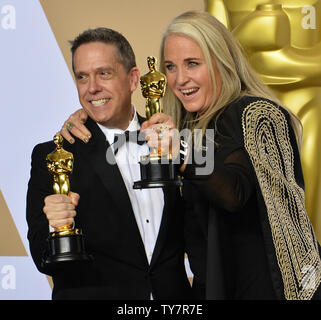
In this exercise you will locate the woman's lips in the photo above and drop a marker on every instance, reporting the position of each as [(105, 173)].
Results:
[(189, 93)]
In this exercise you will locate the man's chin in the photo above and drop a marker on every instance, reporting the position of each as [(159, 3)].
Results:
[(98, 116)]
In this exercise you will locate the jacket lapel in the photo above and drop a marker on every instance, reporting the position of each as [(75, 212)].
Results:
[(140, 119), (161, 238), (95, 153), (168, 199)]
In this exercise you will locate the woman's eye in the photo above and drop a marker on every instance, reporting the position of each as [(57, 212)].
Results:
[(192, 64), (169, 67)]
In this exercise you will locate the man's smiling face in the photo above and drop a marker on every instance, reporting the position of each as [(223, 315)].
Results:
[(104, 86)]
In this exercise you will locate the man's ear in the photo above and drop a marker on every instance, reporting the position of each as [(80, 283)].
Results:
[(134, 76)]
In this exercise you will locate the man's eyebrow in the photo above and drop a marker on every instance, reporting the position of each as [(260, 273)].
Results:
[(102, 68), (105, 68)]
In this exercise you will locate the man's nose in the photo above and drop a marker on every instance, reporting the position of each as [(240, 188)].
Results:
[(94, 86)]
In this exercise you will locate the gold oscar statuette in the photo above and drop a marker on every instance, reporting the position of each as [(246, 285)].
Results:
[(65, 243), (153, 85), (157, 168)]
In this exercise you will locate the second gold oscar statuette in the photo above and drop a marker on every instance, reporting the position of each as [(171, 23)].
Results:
[(66, 243), (157, 168)]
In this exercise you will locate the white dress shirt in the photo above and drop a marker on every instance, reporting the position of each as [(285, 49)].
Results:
[(147, 204)]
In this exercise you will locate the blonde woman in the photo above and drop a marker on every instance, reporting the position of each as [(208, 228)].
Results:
[(247, 232)]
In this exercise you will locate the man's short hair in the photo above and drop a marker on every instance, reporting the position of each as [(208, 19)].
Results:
[(125, 52)]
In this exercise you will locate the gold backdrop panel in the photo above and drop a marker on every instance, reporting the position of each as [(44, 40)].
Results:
[(282, 39), (10, 241)]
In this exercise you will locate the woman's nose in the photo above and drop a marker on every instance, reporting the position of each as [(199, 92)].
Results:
[(182, 76)]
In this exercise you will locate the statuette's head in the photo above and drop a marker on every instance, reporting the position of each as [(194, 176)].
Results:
[(58, 140), (151, 63)]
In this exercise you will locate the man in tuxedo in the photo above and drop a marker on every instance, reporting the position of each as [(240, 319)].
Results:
[(135, 236)]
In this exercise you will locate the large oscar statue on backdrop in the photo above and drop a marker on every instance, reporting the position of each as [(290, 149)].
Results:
[(282, 39), (66, 243), (157, 168)]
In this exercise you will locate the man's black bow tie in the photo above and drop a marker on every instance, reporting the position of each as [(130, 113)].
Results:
[(133, 136)]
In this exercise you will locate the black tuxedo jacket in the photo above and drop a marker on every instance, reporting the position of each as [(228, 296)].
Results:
[(120, 268)]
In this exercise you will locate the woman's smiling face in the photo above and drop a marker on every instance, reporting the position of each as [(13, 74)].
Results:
[(187, 73)]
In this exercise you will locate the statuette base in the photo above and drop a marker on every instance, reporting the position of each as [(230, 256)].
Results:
[(155, 174), (67, 248)]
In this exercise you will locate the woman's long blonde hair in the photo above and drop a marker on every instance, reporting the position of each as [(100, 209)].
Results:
[(237, 76)]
